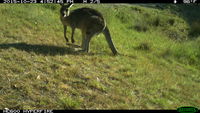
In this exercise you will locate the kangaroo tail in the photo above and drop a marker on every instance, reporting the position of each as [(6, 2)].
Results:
[(106, 33)]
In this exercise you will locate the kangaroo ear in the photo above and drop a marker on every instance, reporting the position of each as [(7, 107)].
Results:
[(62, 4), (70, 5)]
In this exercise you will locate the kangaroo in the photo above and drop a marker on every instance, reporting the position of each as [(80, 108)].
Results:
[(89, 21)]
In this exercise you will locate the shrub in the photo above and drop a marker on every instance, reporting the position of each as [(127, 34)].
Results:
[(195, 28)]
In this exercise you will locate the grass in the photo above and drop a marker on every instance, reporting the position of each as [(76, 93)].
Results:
[(158, 67)]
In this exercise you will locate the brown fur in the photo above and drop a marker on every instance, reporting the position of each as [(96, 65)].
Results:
[(89, 21)]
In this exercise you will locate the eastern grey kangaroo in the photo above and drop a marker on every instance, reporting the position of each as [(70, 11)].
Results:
[(89, 21)]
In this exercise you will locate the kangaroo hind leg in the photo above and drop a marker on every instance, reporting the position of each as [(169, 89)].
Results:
[(86, 41)]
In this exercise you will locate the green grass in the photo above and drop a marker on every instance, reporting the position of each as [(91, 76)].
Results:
[(158, 67)]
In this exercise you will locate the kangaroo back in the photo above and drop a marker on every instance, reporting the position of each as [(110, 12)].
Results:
[(106, 33)]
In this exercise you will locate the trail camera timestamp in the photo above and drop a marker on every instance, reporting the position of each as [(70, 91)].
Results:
[(19, 1)]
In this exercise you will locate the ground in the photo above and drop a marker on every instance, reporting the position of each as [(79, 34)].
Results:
[(158, 66)]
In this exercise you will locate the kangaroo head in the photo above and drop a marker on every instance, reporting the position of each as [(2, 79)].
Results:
[(64, 10)]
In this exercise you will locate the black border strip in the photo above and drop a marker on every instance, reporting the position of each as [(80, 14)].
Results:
[(96, 111), (95, 1)]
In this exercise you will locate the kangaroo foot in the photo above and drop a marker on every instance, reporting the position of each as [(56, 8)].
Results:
[(82, 51)]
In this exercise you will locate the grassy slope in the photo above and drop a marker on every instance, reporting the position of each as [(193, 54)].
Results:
[(155, 71)]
